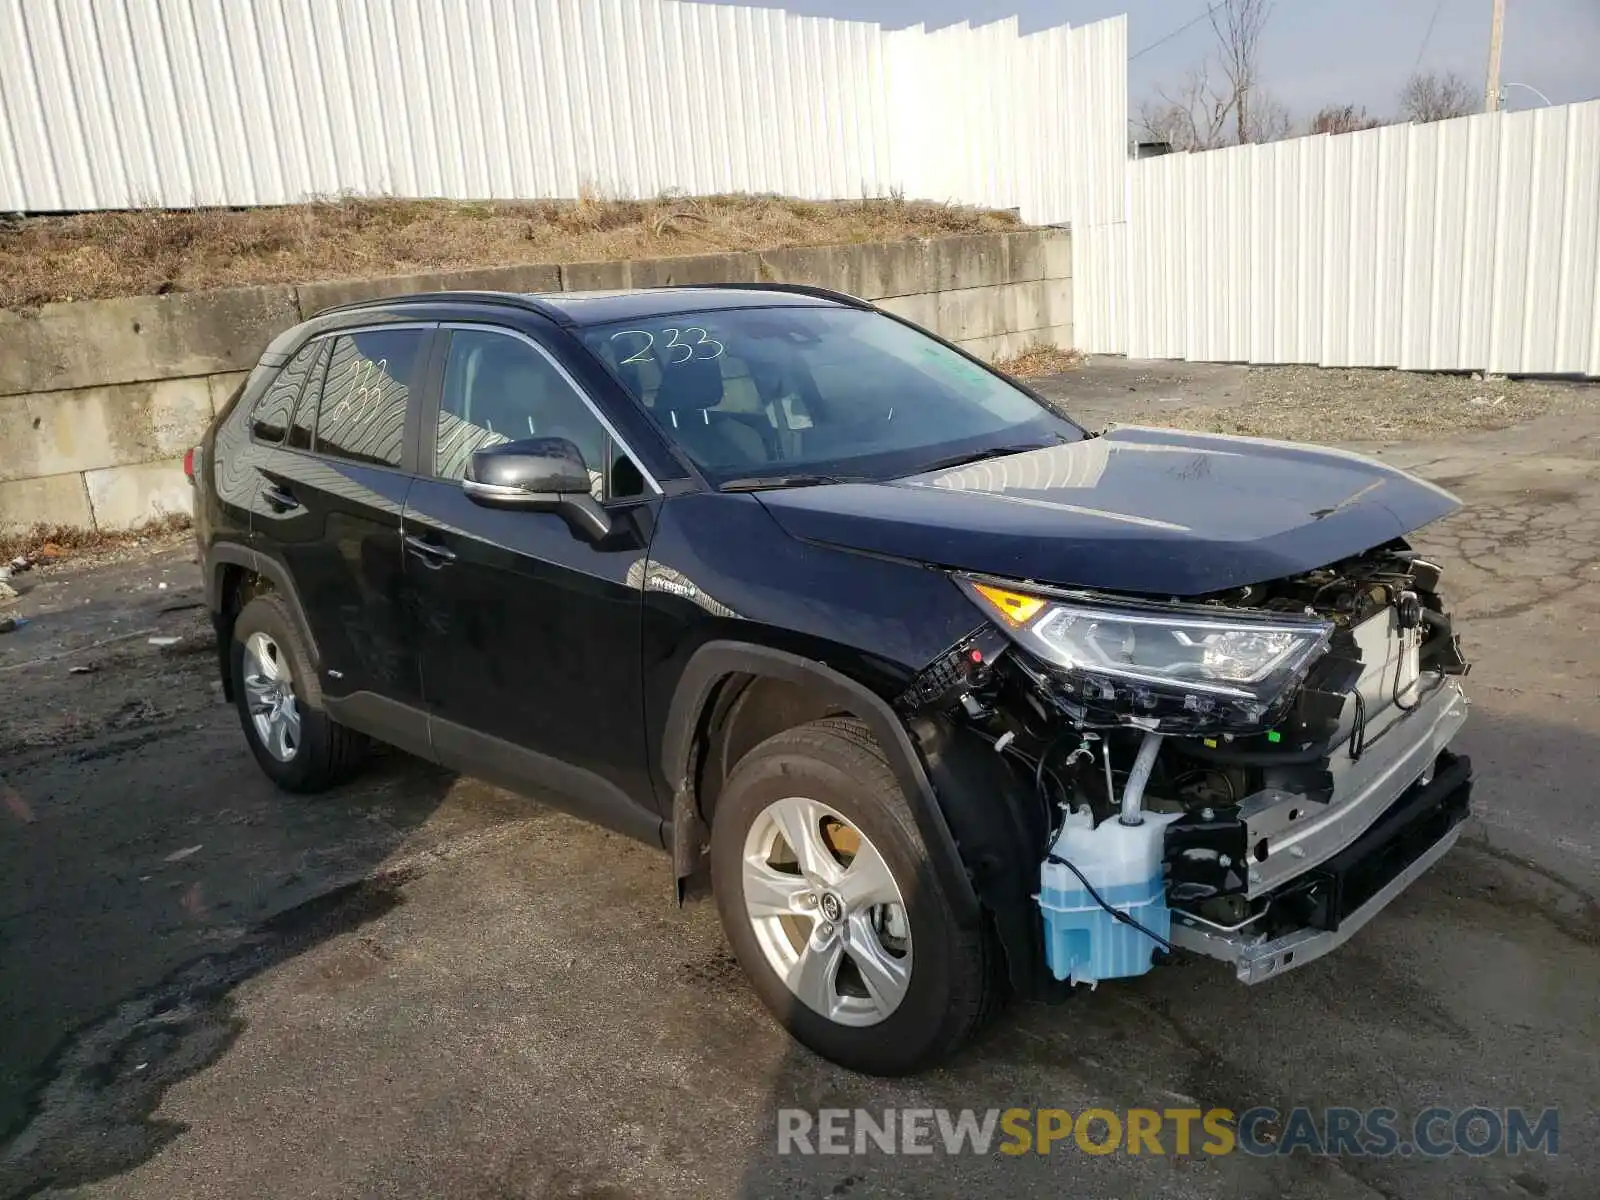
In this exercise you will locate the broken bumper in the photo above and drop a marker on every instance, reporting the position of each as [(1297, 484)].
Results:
[(1403, 814)]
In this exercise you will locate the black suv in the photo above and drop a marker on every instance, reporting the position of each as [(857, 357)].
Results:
[(943, 697)]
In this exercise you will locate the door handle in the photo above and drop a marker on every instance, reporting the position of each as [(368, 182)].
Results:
[(430, 554), (278, 499)]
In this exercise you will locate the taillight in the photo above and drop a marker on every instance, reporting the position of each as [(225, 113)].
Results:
[(189, 457)]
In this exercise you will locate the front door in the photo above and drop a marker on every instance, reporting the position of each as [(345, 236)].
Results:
[(530, 634), (329, 505)]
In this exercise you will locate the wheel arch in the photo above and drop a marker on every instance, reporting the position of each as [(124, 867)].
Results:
[(231, 571), (804, 689)]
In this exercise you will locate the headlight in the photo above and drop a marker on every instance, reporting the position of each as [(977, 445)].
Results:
[(1229, 663)]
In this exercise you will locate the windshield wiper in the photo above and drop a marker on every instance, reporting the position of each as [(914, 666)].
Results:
[(757, 483), (972, 456)]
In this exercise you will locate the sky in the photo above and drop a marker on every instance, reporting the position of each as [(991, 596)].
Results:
[(1314, 52)]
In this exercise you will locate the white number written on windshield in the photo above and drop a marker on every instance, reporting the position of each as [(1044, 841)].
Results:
[(677, 345)]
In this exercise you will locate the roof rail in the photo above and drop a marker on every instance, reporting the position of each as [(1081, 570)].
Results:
[(799, 289), (513, 299), (535, 302)]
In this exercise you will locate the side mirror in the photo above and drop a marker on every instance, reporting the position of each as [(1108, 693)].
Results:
[(537, 475)]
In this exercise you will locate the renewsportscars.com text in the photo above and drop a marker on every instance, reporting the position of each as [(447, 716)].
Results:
[(1343, 1132)]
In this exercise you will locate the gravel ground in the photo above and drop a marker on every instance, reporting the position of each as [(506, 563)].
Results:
[(1311, 403)]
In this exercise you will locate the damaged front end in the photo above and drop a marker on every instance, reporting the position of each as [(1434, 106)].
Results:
[(1250, 775)]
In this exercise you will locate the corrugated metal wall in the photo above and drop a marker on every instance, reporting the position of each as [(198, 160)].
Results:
[(1471, 244), (125, 103), (1099, 231), (991, 117)]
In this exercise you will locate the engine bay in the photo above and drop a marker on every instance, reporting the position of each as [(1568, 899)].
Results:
[(1241, 795)]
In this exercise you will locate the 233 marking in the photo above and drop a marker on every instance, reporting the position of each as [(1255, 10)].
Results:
[(703, 347)]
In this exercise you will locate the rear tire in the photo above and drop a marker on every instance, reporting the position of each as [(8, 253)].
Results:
[(849, 941), (299, 746)]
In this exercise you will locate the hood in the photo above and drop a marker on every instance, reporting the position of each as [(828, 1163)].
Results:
[(1152, 511)]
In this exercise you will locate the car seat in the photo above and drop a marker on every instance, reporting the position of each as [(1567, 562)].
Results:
[(684, 402)]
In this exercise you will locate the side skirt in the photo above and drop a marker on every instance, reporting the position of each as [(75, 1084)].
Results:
[(537, 776)]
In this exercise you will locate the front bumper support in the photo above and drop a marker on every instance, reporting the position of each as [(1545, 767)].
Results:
[(1342, 897), (1290, 836)]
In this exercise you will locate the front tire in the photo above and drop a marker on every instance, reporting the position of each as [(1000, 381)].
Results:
[(829, 900), (299, 746)]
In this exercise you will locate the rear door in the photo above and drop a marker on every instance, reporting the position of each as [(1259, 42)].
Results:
[(330, 506), (531, 636)]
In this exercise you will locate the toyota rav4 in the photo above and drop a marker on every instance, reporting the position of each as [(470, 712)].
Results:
[(943, 697)]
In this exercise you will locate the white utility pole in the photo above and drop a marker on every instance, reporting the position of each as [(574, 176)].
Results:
[(1491, 84)]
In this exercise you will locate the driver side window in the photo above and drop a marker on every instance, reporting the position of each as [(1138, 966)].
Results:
[(498, 388)]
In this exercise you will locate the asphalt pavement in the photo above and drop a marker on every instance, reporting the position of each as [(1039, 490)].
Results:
[(423, 986)]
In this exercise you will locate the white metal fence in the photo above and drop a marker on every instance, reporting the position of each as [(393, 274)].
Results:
[(1464, 245), (125, 103), (1471, 244)]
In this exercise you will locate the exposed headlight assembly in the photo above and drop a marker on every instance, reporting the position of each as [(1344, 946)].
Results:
[(1187, 664)]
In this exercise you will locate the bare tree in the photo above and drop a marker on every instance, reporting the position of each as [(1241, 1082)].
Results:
[(1269, 119), (1238, 25), (1437, 96), (1220, 103), (1343, 118), (1191, 116)]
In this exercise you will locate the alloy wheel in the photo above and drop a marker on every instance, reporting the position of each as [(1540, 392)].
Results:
[(269, 695), (827, 912)]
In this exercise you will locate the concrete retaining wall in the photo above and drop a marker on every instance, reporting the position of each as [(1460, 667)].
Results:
[(99, 399)]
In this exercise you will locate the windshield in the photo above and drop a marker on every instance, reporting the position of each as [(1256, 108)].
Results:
[(752, 393)]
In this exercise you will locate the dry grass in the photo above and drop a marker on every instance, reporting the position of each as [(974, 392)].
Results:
[(50, 543), (145, 252), (1041, 358)]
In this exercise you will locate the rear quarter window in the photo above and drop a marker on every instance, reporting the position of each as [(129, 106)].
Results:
[(303, 428), (269, 419)]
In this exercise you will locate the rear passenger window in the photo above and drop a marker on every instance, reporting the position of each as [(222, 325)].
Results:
[(362, 414), (270, 420)]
